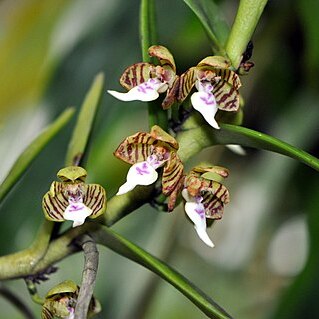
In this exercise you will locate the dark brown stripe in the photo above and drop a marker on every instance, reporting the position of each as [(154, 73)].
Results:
[(91, 195), (48, 209), (141, 73), (55, 209), (98, 205), (134, 77)]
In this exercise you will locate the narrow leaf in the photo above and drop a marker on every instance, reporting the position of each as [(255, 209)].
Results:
[(30, 153), (84, 123), (212, 20), (124, 247), (205, 136)]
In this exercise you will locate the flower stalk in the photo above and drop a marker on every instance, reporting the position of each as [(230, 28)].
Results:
[(247, 17), (148, 37)]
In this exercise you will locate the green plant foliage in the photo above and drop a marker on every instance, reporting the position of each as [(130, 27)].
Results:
[(213, 21), (84, 123), (30, 153), (67, 42), (129, 250)]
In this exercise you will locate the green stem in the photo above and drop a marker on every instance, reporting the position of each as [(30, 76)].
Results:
[(247, 17), (193, 140), (22, 263), (33, 292), (147, 27), (148, 37)]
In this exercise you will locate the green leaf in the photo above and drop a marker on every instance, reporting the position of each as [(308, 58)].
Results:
[(212, 20), (205, 136), (84, 123), (30, 153), (124, 247)]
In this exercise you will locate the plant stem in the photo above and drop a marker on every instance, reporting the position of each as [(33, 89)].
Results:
[(22, 263), (156, 114), (147, 27), (91, 262), (248, 14), (33, 291)]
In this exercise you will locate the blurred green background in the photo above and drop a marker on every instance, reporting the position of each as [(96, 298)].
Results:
[(265, 263)]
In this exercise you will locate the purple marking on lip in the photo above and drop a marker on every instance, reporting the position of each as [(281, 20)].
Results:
[(144, 87), (200, 212), (75, 208), (142, 170), (209, 100)]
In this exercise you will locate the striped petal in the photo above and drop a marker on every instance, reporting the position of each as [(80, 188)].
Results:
[(137, 74), (145, 92), (172, 174), (195, 210), (95, 199), (139, 174), (55, 202)]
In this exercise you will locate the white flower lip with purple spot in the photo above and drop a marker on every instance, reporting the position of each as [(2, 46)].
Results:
[(142, 173), (145, 92), (204, 102), (195, 210), (76, 211)]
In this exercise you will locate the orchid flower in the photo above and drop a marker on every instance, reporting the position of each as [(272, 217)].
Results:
[(205, 197), (146, 152), (61, 300), (145, 81), (73, 199), (217, 88)]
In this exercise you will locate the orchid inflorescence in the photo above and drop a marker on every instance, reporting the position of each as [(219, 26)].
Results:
[(217, 85), (155, 154)]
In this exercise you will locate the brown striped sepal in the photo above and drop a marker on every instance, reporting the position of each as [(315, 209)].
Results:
[(163, 55), (205, 182), (140, 146), (61, 300), (70, 191), (136, 148)]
